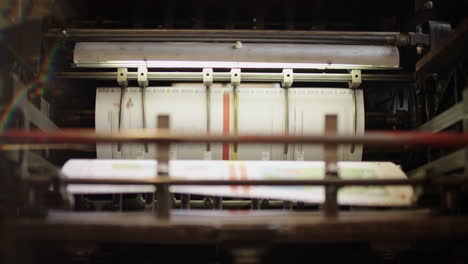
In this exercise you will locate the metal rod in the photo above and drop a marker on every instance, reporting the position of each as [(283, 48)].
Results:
[(143, 112), (208, 114), (246, 76), (121, 108), (286, 122), (381, 139), (235, 114), (255, 204), (330, 206), (218, 203), (228, 204), (172, 180), (162, 190), (185, 201), (313, 37)]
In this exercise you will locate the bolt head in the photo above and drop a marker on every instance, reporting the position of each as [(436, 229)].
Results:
[(238, 45), (419, 50), (428, 5)]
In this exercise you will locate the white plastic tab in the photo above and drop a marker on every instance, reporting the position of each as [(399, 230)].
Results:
[(235, 77), (355, 79), (207, 155), (300, 156), (143, 77), (266, 155), (122, 79), (140, 155), (288, 78), (207, 76)]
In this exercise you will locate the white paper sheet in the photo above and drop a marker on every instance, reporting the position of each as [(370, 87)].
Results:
[(307, 110), (261, 110), (107, 119), (254, 170)]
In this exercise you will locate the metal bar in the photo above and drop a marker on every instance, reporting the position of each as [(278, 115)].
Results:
[(121, 108), (272, 36), (37, 117), (208, 227), (34, 160), (143, 112), (185, 201), (179, 64), (382, 139), (218, 203), (444, 120), (162, 190), (229, 55), (31, 147), (255, 204), (235, 99), (228, 204), (330, 205), (388, 77), (448, 51), (450, 162), (246, 76), (465, 123), (208, 81), (172, 180)]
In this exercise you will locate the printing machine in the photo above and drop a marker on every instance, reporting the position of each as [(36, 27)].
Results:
[(244, 132)]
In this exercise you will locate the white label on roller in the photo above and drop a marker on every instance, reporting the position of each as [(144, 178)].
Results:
[(307, 110), (140, 155), (261, 110), (300, 155), (163, 169), (207, 155), (107, 120), (173, 155), (265, 155)]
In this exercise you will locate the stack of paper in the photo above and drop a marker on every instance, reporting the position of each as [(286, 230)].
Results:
[(243, 170)]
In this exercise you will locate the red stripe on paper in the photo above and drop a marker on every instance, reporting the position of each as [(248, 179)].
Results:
[(232, 176), (243, 176)]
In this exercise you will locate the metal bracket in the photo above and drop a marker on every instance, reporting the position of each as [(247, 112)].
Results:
[(288, 78), (207, 77), (235, 77), (143, 83), (123, 82), (235, 82), (418, 39), (465, 123), (163, 194), (185, 201), (330, 205), (207, 74), (356, 79), (438, 30), (122, 79), (143, 77), (38, 118)]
